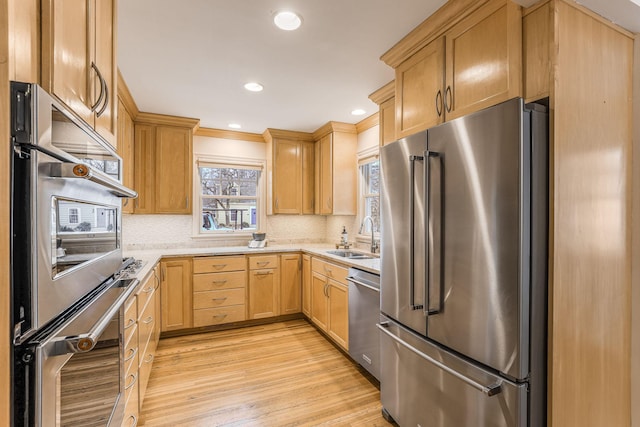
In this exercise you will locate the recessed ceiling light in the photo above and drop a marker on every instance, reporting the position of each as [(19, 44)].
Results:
[(254, 87), (287, 20), (235, 126), (358, 112)]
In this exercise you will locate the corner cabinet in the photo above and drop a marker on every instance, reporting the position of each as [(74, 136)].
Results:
[(163, 167), (336, 169), (474, 63), (291, 169), (79, 59)]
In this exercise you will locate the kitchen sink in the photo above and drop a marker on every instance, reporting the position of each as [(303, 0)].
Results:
[(346, 253)]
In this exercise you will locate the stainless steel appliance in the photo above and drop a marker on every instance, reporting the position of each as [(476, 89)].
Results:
[(364, 315), (65, 257), (463, 271)]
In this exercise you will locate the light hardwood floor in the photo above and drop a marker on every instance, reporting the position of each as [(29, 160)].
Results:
[(280, 374)]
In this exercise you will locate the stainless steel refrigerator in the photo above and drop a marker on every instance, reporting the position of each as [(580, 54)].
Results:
[(464, 271)]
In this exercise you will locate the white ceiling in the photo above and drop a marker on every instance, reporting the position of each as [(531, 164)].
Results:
[(191, 58)]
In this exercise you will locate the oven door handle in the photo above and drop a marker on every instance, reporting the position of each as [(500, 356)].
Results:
[(84, 171), (81, 343)]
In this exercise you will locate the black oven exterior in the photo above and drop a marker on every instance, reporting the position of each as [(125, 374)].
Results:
[(66, 253)]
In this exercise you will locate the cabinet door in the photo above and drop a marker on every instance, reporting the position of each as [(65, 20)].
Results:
[(264, 293), (338, 328), (287, 169), (65, 54), (324, 186), (105, 60), (176, 294), (319, 301), (306, 285), (144, 168), (420, 90), (24, 40), (388, 121), (308, 150), (173, 170), (125, 150), (290, 286), (484, 59)]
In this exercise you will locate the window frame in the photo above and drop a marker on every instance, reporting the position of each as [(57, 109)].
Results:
[(369, 155), (228, 162)]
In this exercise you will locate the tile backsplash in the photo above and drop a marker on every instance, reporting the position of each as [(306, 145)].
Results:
[(175, 231)]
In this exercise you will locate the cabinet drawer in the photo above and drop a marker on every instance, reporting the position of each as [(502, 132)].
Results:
[(330, 270), (223, 298), (131, 398), (215, 281), (146, 323), (131, 351), (217, 316), (145, 370), (130, 318), (266, 261), (145, 293), (218, 264)]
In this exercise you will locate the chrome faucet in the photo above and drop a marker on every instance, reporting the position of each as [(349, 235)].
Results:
[(374, 244)]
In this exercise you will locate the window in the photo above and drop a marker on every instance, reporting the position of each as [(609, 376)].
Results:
[(74, 216), (229, 198), (370, 193)]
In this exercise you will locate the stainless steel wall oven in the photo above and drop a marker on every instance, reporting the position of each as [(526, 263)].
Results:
[(65, 260)]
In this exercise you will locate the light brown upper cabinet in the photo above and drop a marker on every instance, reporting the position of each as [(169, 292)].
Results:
[(473, 63), (125, 150), (336, 169), (163, 165), (79, 59), (290, 165), (386, 100)]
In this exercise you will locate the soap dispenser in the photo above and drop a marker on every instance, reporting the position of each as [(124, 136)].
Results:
[(345, 236)]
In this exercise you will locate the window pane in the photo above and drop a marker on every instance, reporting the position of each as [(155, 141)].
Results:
[(372, 209), (227, 214), (370, 185), (229, 181)]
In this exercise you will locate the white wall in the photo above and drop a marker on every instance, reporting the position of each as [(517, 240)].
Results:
[(171, 231)]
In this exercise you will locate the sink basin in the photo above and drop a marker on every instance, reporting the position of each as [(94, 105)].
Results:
[(346, 253)]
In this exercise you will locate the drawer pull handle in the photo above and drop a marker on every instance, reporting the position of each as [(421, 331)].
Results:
[(263, 262), (134, 421), (133, 351), (148, 320), (148, 359), (133, 381), (218, 266), (263, 273), (148, 290), (130, 323), (219, 299), (220, 315), (219, 282)]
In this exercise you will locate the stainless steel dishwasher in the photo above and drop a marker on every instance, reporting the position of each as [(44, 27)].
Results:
[(364, 314)]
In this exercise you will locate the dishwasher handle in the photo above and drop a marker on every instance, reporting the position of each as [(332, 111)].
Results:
[(360, 283)]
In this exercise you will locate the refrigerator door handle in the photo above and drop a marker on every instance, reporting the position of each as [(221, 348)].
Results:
[(412, 291), (427, 277), (489, 390)]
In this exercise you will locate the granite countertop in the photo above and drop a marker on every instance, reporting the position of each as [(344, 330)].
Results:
[(152, 256)]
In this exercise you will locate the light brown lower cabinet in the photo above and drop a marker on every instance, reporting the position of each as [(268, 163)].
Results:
[(176, 294), (330, 300), (306, 285), (219, 290), (141, 334), (290, 284), (264, 286)]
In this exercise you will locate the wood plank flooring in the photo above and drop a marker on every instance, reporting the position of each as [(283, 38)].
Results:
[(280, 374)]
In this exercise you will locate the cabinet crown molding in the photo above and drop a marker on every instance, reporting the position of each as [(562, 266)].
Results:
[(126, 97), (229, 134), (334, 127), (442, 19), (270, 134), (385, 93), (166, 120)]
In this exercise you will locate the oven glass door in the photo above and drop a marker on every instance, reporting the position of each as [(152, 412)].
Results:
[(81, 232)]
